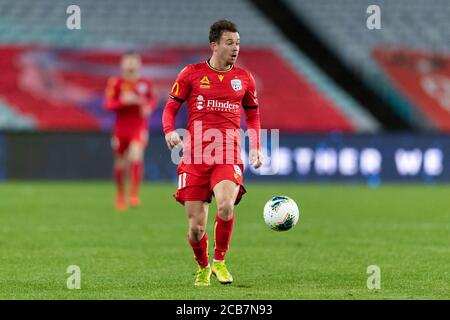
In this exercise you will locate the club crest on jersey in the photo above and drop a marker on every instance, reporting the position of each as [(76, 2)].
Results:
[(236, 84), (200, 101), (142, 88)]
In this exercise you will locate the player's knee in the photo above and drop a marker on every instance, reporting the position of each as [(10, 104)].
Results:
[(136, 152), (134, 157), (225, 208), (196, 232), (119, 163)]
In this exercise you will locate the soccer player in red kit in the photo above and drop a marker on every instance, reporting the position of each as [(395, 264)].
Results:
[(132, 98), (215, 91)]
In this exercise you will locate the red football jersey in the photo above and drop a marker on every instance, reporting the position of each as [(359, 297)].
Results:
[(129, 117), (214, 100)]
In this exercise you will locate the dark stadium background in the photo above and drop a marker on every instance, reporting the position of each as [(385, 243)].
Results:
[(326, 80)]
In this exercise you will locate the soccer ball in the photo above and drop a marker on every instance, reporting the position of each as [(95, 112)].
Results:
[(281, 213)]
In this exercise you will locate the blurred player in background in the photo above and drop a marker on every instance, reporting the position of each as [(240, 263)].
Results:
[(132, 98), (216, 91)]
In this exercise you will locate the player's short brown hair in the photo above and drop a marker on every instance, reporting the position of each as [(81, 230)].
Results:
[(131, 52), (219, 27)]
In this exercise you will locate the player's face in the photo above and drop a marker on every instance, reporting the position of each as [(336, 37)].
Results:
[(228, 47), (131, 64)]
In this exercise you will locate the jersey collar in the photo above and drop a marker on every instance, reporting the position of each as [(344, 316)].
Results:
[(211, 67)]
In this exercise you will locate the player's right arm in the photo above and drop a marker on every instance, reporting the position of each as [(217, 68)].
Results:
[(112, 95), (180, 92)]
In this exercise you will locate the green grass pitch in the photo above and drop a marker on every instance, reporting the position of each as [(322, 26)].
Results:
[(144, 254)]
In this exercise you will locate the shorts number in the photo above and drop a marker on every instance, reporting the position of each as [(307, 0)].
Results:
[(182, 180)]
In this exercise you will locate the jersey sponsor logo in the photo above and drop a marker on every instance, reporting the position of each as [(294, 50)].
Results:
[(236, 84), (204, 80), (220, 77), (204, 83), (200, 101), (215, 105)]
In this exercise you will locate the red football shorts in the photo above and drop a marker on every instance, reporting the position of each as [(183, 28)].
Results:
[(121, 141), (196, 181)]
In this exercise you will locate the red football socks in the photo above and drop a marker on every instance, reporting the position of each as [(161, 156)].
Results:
[(200, 249), (119, 176), (136, 178), (222, 236)]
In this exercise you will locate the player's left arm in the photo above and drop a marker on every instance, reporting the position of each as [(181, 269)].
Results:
[(251, 109)]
